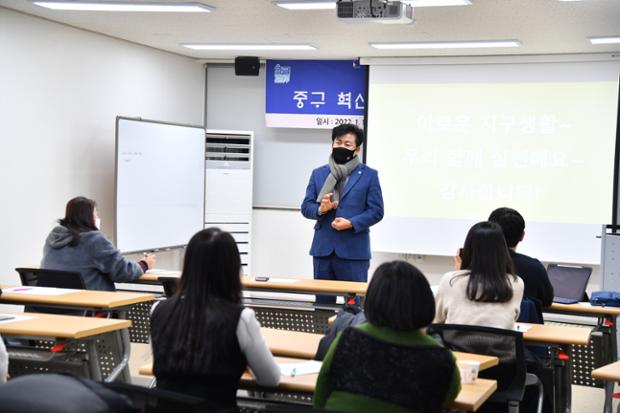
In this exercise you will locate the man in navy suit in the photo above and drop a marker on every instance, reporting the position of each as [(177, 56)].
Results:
[(344, 198)]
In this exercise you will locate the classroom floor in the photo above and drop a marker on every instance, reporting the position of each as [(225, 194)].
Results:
[(585, 399)]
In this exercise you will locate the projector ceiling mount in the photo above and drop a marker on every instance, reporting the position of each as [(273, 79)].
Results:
[(379, 11)]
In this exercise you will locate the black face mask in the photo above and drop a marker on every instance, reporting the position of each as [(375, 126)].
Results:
[(342, 155)]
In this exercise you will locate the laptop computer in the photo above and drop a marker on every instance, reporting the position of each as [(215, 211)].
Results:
[(569, 282)]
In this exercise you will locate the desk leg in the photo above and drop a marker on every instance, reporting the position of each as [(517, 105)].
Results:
[(122, 368), (562, 380), (613, 341), (567, 380), (123, 343), (609, 392), (93, 359)]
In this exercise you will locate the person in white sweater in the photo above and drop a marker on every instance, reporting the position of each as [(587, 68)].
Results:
[(484, 290), (4, 362)]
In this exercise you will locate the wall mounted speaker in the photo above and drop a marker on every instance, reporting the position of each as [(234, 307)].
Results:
[(246, 65)]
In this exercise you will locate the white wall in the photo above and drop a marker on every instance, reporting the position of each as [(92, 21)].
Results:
[(281, 241), (60, 91)]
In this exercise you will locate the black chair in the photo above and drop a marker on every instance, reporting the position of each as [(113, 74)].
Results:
[(258, 405), (170, 284), (60, 393), (153, 400), (415, 377), (507, 345), (36, 277)]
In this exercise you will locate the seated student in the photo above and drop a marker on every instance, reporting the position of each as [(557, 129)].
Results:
[(389, 364), (203, 338), (4, 362), (484, 290), (78, 245), (531, 271)]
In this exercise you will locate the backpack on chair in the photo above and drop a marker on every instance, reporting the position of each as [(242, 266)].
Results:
[(350, 315)]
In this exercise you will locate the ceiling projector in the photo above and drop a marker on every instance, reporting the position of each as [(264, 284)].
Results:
[(380, 11)]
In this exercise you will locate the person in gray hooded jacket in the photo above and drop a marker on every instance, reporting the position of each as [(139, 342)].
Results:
[(78, 245)]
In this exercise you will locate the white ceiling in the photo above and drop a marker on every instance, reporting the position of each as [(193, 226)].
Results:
[(543, 27)]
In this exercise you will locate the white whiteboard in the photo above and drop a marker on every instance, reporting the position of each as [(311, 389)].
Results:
[(160, 184)]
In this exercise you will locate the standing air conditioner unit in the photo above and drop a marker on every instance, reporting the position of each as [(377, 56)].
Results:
[(228, 187)]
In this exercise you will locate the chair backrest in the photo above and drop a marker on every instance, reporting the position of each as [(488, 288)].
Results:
[(416, 377), (60, 393), (37, 277), (507, 345), (153, 400), (170, 284)]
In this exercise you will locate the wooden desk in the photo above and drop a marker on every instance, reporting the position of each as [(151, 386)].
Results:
[(78, 299), (298, 384), (548, 334), (295, 344), (606, 325), (470, 397), (308, 286), (582, 308), (610, 374), (302, 345), (120, 302), (157, 277), (560, 338), (552, 334), (61, 328), (296, 285)]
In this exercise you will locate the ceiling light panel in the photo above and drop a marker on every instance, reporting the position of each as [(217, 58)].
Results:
[(306, 5), (125, 6), (447, 45), (253, 47), (605, 40)]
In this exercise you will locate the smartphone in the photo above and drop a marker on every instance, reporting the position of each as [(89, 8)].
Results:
[(461, 253), (261, 278)]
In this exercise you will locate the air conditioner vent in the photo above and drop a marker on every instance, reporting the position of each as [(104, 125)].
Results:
[(227, 147)]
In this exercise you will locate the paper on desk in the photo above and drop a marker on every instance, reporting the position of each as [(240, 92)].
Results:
[(585, 304), (521, 327), (39, 291), (283, 280), (11, 318), (300, 369), (168, 273)]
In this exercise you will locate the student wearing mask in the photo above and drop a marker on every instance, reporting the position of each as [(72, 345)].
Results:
[(77, 244), (202, 337), (484, 290), (389, 364)]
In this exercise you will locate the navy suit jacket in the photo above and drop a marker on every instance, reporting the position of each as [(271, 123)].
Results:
[(361, 203)]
